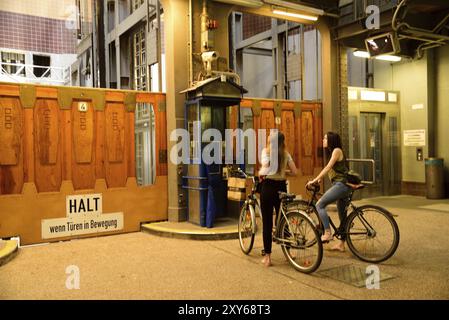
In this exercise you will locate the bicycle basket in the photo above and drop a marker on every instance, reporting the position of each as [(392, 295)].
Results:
[(237, 188)]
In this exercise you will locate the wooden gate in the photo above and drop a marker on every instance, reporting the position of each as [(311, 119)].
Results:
[(301, 123), (67, 163)]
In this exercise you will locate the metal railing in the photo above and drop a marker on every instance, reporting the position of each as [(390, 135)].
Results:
[(20, 72)]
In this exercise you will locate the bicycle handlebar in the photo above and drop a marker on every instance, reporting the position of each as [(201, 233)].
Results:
[(315, 187)]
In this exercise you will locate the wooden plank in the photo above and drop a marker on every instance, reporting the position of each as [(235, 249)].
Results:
[(47, 146), (11, 146), (267, 122), (161, 139), (307, 142), (99, 145), (298, 142), (115, 165), (115, 132), (46, 92), (131, 146), (158, 116), (9, 90), (113, 96), (288, 129), (11, 123), (318, 128), (66, 124), (83, 140), (46, 126), (83, 133), (28, 152)]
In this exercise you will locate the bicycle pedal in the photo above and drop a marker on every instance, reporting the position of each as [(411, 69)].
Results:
[(262, 252)]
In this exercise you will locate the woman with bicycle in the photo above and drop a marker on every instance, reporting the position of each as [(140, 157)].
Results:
[(336, 169), (274, 182)]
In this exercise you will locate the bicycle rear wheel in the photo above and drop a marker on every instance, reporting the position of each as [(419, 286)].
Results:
[(247, 228), (372, 234), (303, 206), (300, 242)]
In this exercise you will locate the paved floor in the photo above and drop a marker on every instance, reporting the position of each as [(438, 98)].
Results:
[(145, 266)]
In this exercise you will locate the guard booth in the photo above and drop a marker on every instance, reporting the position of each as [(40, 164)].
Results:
[(210, 104)]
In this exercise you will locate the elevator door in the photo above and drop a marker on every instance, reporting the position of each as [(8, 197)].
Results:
[(374, 134), (371, 148)]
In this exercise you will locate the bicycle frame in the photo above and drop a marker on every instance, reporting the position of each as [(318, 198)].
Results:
[(339, 232), (283, 215)]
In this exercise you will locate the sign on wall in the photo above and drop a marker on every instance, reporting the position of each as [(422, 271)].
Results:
[(415, 138), (84, 216)]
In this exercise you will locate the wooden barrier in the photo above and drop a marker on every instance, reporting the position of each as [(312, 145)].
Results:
[(57, 143), (301, 123), (64, 148)]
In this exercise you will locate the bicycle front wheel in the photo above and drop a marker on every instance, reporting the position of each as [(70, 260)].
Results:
[(247, 228), (372, 234), (300, 242)]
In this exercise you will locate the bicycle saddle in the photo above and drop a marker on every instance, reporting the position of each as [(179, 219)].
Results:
[(286, 196)]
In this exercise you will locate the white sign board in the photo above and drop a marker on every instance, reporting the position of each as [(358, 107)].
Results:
[(415, 138), (84, 215)]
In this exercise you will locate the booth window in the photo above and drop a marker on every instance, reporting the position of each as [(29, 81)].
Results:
[(145, 144)]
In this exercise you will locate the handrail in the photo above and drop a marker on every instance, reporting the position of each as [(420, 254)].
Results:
[(49, 73), (373, 169)]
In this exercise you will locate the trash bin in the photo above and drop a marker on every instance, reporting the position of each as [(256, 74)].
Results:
[(435, 178)]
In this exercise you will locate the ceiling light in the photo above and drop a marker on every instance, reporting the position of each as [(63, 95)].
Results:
[(243, 3), (387, 57), (296, 6), (361, 54), (295, 15)]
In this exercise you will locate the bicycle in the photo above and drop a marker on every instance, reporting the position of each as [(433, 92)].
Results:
[(363, 229), (294, 231)]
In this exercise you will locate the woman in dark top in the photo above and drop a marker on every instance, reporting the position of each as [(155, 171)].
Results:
[(336, 170)]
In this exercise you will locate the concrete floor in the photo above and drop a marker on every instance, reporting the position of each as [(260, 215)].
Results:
[(145, 266)]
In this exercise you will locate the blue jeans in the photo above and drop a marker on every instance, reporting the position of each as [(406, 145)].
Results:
[(338, 192)]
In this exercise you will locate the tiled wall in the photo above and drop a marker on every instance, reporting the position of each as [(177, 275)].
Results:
[(56, 9), (32, 33)]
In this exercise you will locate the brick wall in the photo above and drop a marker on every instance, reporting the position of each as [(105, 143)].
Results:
[(32, 33)]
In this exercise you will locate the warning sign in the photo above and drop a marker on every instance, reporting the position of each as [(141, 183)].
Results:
[(84, 216)]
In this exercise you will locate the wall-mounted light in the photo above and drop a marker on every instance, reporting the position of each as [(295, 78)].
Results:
[(244, 3), (388, 57), (294, 15), (361, 54), (385, 57), (299, 8)]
